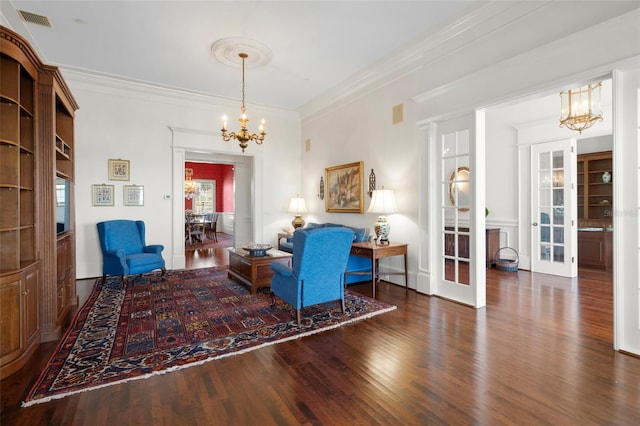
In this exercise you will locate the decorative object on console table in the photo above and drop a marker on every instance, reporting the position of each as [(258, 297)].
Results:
[(297, 207), (119, 169), (382, 202), (344, 188), (257, 250)]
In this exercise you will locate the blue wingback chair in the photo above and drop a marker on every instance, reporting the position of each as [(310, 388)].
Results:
[(124, 251), (317, 275)]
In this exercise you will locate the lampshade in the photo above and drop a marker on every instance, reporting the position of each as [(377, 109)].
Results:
[(382, 201), (297, 207)]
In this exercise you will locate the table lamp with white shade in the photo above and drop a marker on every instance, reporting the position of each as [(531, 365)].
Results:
[(297, 207), (383, 202)]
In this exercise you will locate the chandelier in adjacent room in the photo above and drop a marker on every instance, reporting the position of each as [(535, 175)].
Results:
[(581, 108), (243, 136), (191, 187)]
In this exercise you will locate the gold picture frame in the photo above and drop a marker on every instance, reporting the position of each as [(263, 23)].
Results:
[(344, 188), (102, 195), (133, 195), (119, 169)]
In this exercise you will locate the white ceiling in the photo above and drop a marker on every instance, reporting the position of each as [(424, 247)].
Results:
[(315, 44)]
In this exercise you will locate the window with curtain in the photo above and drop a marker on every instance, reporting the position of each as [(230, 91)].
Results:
[(205, 201)]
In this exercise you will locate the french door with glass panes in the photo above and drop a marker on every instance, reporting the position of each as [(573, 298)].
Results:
[(553, 208), (460, 269)]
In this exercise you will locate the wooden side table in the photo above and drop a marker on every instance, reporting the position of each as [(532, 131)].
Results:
[(282, 235), (373, 251), (255, 271)]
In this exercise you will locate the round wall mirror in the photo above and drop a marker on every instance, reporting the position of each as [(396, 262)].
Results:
[(460, 188)]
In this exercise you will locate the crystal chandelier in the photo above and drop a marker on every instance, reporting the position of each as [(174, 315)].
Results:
[(581, 108), (243, 136), (191, 187)]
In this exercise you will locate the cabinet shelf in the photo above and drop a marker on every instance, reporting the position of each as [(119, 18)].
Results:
[(63, 150), (595, 197), (62, 174), (4, 99)]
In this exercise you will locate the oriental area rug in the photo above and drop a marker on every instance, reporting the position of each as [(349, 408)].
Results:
[(194, 316)]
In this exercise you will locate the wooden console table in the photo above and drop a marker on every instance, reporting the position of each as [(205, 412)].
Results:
[(255, 271), (375, 252)]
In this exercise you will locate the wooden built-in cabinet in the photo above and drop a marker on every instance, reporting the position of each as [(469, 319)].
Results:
[(595, 210), (595, 249), (19, 309), (36, 145), (595, 191)]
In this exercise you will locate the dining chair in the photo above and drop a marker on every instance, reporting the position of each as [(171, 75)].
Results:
[(211, 226), (194, 229)]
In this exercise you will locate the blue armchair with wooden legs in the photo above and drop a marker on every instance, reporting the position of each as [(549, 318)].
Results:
[(124, 251), (317, 274)]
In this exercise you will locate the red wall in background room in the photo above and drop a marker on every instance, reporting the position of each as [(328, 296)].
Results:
[(223, 175)]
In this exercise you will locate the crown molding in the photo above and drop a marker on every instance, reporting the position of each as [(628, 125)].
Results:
[(112, 84), (480, 19)]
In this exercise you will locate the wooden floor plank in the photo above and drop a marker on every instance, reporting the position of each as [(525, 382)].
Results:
[(541, 352)]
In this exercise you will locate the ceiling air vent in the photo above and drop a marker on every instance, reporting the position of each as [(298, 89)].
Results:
[(34, 18)]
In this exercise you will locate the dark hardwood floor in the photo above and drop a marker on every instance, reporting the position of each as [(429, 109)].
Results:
[(540, 353)]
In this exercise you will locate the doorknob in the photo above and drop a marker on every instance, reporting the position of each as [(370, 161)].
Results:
[(535, 223)]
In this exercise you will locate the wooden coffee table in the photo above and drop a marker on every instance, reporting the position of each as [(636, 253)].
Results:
[(255, 271)]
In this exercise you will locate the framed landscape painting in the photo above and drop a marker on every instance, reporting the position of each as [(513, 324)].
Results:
[(344, 192)]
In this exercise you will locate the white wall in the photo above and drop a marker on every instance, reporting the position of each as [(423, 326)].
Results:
[(129, 121), (363, 131)]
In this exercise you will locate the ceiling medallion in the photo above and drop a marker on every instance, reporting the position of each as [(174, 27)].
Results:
[(227, 51)]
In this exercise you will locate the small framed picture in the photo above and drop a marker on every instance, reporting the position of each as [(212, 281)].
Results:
[(118, 169), (133, 195), (102, 195)]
